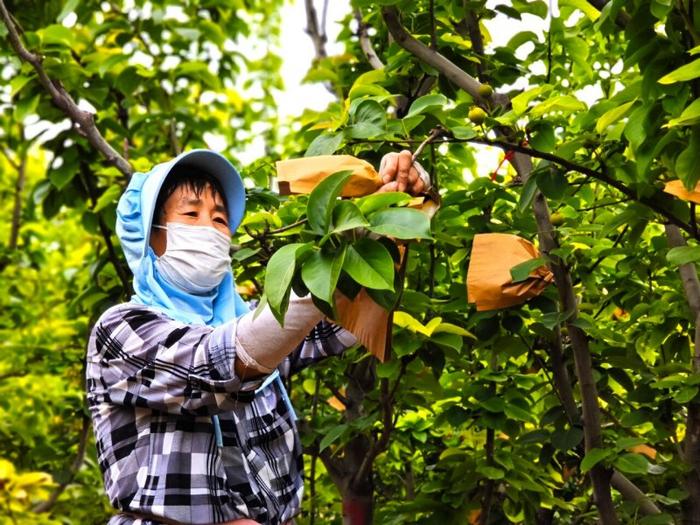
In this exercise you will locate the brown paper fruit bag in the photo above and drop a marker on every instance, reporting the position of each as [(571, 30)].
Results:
[(303, 175), (489, 282), (366, 320), (675, 187)]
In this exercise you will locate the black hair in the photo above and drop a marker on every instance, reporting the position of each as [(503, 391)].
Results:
[(192, 178)]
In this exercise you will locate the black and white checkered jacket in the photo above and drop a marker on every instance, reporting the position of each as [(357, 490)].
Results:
[(153, 385)]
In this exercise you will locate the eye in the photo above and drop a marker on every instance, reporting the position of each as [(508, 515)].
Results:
[(221, 220), (191, 214)]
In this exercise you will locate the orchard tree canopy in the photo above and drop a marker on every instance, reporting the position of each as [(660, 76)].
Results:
[(579, 406)]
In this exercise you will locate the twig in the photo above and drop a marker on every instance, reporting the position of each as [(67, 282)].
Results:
[(488, 490), (317, 34), (603, 205), (365, 43), (287, 227), (433, 36), (83, 120), (431, 57), (651, 202), (435, 133), (337, 393), (314, 458), (85, 177), (386, 398)]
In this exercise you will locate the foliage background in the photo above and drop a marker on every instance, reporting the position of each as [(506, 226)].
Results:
[(469, 429)]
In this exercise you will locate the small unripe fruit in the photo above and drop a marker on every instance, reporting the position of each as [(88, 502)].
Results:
[(477, 115), (557, 219), (485, 90)]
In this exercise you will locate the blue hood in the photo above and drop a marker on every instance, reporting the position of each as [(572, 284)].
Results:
[(134, 218)]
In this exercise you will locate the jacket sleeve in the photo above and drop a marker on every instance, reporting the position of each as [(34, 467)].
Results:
[(325, 340), (140, 358)]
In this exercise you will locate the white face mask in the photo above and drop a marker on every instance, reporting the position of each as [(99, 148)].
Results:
[(196, 258)]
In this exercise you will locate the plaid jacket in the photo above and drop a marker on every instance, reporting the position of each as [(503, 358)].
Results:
[(152, 386)]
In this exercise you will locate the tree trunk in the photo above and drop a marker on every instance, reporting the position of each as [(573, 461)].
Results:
[(600, 476), (357, 507), (691, 442)]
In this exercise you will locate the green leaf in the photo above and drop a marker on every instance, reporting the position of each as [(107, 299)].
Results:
[(491, 472), (563, 103), (493, 404), (406, 320), (322, 200), (593, 457), (543, 137), (657, 519), (450, 328), (324, 144), (401, 223), (688, 161), (320, 273), (613, 116), (199, 72), (518, 413), (376, 201), (522, 271), (689, 116), (567, 439), (26, 106), (426, 103), (686, 394), (632, 464), (520, 102), (278, 278), (586, 7), (370, 264), (68, 8), (463, 132), (528, 193), (683, 73), (331, 436), (683, 255), (56, 34), (17, 83), (347, 216), (369, 119), (110, 196)]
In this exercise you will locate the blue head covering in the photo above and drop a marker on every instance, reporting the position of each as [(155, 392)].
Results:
[(134, 219)]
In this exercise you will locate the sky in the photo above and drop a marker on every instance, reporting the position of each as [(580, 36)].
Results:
[(297, 54), (297, 58)]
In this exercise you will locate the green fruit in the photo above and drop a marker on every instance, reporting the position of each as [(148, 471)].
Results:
[(485, 90), (477, 115), (557, 219)]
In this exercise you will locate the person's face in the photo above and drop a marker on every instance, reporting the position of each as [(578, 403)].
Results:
[(185, 206)]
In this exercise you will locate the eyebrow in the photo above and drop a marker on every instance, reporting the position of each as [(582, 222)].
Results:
[(194, 202)]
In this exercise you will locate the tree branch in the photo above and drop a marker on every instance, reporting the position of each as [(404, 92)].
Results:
[(122, 273), (317, 34), (455, 74), (83, 120), (689, 275), (691, 441), (651, 202), (600, 477), (365, 42)]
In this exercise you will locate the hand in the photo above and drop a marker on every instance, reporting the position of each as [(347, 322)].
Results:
[(399, 173)]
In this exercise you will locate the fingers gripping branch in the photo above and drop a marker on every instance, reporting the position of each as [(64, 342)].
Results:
[(83, 120)]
